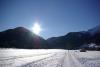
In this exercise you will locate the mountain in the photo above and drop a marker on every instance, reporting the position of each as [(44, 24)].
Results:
[(72, 40), (76, 40), (94, 30), (95, 34), (21, 37), (57, 42)]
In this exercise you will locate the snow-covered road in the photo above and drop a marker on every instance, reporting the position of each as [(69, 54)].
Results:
[(48, 58)]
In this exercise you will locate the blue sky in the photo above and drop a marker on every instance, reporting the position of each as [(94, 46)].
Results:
[(57, 17)]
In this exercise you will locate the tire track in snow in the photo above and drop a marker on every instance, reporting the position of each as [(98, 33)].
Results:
[(71, 61), (26, 65), (74, 60), (11, 62), (53, 61), (21, 56)]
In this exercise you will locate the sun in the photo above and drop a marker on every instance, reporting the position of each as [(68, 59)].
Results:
[(36, 28)]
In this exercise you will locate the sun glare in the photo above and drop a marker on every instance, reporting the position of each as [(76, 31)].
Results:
[(36, 28)]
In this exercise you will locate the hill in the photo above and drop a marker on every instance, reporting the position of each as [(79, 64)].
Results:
[(21, 37)]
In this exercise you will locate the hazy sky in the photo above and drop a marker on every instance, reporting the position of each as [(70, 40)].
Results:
[(56, 17)]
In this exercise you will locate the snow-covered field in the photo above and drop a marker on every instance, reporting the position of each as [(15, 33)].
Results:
[(48, 58)]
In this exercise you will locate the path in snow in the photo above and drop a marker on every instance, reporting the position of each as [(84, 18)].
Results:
[(71, 61)]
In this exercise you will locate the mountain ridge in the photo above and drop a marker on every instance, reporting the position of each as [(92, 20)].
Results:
[(74, 40), (21, 37)]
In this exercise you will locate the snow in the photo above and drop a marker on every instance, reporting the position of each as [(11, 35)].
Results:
[(89, 58), (48, 58)]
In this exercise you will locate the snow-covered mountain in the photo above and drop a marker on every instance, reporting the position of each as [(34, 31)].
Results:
[(94, 30), (74, 40)]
